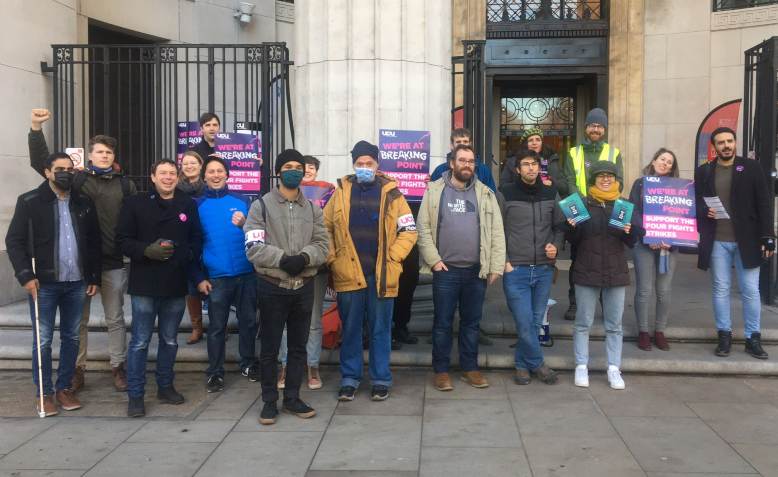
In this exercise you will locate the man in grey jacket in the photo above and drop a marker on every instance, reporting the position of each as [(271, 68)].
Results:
[(287, 243), (534, 233), (461, 241)]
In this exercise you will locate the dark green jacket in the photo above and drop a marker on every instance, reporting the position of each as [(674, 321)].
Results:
[(106, 192)]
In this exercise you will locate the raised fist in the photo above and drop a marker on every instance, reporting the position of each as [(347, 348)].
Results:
[(38, 117)]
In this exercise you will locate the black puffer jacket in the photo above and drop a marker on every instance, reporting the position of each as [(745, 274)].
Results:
[(601, 260)]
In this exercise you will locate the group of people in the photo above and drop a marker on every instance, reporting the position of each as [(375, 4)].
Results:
[(189, 239)]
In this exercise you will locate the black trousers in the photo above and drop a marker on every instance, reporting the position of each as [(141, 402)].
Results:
[(279, 307), (409, 279)]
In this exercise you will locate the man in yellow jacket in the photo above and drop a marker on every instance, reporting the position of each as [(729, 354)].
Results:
[(371, 230)]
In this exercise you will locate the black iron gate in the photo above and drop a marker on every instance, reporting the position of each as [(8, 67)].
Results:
[(760, 131), (139, 93), (467, 77)]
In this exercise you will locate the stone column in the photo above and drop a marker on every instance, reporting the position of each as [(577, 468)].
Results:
[(362, 65)]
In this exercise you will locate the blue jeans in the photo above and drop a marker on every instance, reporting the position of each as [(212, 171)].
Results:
[(527, 289), (355, 307), (69, 298), (722, 256), (145, 311), (456, 287), (240, 291), (586, 299)]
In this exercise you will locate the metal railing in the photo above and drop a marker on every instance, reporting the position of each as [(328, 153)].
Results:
[(511, 11), (724, 5)]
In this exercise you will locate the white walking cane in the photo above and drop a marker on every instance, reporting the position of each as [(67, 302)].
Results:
[(41, 411)]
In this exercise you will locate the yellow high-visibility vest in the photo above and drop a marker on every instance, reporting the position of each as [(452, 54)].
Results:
[(608, 153)]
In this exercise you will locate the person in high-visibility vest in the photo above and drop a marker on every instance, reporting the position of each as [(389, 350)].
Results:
[(579, 160)]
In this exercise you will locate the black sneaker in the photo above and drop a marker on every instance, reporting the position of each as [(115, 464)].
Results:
[(347, 393), (298, 407), (404, 336), (251, 372), (215, 384), (754, 346), (136, 407), (169, 395), (570, 313), (725, 343), (269, 413), (379, 393), (396, 345)]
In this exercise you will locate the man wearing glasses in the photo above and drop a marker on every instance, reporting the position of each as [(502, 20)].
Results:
[(462, 243), (581, 157)]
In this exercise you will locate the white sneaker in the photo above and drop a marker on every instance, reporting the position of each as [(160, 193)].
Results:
[(614, 378), (582, 376)]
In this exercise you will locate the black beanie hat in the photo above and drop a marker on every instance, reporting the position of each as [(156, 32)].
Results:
[(289, 155), (221, 161), (600, 167), (364, 148)]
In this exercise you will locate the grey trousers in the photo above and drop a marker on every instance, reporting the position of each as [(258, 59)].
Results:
[(647, 280), (112, 289)]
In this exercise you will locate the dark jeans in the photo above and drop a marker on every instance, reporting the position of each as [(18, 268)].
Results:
[(69, 298), (240, 291), (145, 311), (409, 278), (278, 308), (462, 287)]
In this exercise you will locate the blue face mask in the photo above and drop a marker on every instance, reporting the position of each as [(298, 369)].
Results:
[(291, 179), (365, 175)]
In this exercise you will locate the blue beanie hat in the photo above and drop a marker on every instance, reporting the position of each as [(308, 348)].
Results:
[(597, 116)]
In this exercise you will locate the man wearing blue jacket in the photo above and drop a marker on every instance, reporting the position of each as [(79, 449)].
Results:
[(228, 276), (482, 171)]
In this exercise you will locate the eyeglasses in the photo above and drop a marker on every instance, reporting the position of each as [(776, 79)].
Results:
[(466, 163), (595, 126), (607, 177), (528, 164)]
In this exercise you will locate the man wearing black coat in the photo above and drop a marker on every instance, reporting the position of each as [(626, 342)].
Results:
[(744, 237), (160, 232), (53, 243)]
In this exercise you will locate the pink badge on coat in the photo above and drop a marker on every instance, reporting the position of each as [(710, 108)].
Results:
[(182, 217)]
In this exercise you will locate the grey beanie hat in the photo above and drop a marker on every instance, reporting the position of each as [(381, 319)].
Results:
[(597, 116), (600, 167)]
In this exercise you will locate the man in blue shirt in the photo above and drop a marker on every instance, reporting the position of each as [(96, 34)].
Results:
[(228, 276)]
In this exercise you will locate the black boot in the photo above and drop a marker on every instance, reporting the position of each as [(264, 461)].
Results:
[(136, 408), (725, 343), (754, 346), (169, 395), (570, 313)]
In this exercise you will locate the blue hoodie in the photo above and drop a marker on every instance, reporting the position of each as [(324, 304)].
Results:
[(223, 243), (482, 171)]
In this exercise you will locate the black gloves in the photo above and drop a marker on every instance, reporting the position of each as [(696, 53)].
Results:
[(293, 265), (156, 251), (768, 243)]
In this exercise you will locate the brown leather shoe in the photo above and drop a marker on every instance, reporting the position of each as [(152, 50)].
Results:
[(475, 379), (644, 341), (660, 341), (195, 307), (77, 383), (545, 374), (67, 400), (49, 406), (443, 382), (119, 378)]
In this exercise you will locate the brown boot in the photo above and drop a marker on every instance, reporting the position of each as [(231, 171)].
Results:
[(660, 341), (77, 383), (475, 379), (195, 307), (644, 341), (49, 406), (67, 400), (119, 378), (443, 382)]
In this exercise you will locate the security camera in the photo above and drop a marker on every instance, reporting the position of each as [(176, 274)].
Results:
[(244, 12)]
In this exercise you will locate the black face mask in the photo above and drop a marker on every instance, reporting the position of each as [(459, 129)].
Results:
[(63, 180)]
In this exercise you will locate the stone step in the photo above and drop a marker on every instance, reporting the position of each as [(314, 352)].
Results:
[(684, 358)]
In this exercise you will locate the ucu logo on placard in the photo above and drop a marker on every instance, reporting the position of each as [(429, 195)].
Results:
[(388, 134), (223, 135), (653, 179)]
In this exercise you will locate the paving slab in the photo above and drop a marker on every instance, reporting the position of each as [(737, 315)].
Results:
[(484, 462), (740, 422), (370, 443), (639, 400), (763, 457), (678, 444), (360, 473), (41, 473), (139, 458), (469, 423), (262, 454), (15, 432), (185, 431), (580, 457), (496, 390), (405, 400), (574, 414), (71, 444), (323, 402)]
